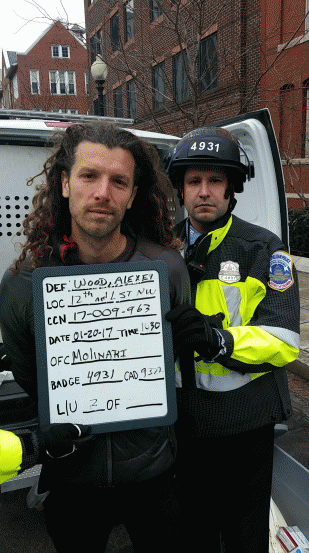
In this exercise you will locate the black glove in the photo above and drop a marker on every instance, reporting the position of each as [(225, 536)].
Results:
[(192, 329), (58, 439)]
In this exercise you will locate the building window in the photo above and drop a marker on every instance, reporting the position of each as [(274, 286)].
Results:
[(87, 91), (180, 78), (305, 148), (35, 81), (132, 99), (59, 51), (158, 85), (115, 31), (118, 106), (128, 20), (96, 45), (62, 82), (15, 87), (207, 63), (287, 109), (155, 10)]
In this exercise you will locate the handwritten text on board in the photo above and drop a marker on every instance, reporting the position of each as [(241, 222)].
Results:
[(104, 344)]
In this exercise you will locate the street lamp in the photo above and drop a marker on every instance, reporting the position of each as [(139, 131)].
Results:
[(99, 73)]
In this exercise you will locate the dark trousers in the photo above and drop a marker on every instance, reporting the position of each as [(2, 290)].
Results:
[(81, 517), (225, 486)]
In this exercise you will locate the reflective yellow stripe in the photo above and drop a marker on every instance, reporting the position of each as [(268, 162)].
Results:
[(217, 369), (10, 455), (211, 368), (218, 235), (263, 345)]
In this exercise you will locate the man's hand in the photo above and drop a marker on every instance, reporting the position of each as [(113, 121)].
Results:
[(192, 329), (58, 439)]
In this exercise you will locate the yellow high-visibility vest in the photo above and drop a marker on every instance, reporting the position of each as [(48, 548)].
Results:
[(223, 290)]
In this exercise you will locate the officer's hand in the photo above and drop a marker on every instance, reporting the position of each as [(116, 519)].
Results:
[(192, 329), (58, 439)]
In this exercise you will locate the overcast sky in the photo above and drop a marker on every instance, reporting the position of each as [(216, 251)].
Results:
[(17, 35)]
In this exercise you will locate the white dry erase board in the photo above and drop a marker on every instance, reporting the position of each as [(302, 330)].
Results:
[(104, 349)]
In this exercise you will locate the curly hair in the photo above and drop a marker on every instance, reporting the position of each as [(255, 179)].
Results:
[(148, 217)]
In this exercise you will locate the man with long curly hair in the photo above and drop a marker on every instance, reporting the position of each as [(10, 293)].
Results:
[(103, 201)]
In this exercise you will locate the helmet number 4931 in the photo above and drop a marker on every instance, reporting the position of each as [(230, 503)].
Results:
[(205, 145)]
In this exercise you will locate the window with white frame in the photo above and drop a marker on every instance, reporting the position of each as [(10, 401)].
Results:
[(60, 51), (35, 81), (62, 82), (15, 87), (87, 91)]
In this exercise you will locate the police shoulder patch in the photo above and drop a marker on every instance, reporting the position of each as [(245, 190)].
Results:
[(280, 271)]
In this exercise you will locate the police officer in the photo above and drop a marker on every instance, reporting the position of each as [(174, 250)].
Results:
[(243, 329)]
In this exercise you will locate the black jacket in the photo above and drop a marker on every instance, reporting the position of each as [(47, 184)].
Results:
[(236, 400), (119, 457)]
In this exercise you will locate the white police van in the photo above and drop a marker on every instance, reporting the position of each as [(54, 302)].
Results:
[(24, 146)]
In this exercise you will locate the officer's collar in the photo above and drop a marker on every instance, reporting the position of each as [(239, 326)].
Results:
[(192, 234), (196, 253)]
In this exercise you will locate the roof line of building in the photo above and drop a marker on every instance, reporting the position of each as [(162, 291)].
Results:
[(46, 31)]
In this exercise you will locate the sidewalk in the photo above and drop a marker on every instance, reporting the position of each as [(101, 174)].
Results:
[(301, 365)]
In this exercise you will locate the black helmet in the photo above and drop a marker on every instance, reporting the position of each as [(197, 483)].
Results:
[(211, 146)]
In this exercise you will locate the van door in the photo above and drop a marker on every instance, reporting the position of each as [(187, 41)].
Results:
[(263, 201)]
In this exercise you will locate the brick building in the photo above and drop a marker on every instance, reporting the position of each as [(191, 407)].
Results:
[(52, 75), (175, 64), (285, 88)]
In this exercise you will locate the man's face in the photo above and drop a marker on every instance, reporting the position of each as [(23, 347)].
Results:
[(204, 191), (100, 190)]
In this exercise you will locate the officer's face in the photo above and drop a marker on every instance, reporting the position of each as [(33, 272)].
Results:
[(204, 191), (100, 189)]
